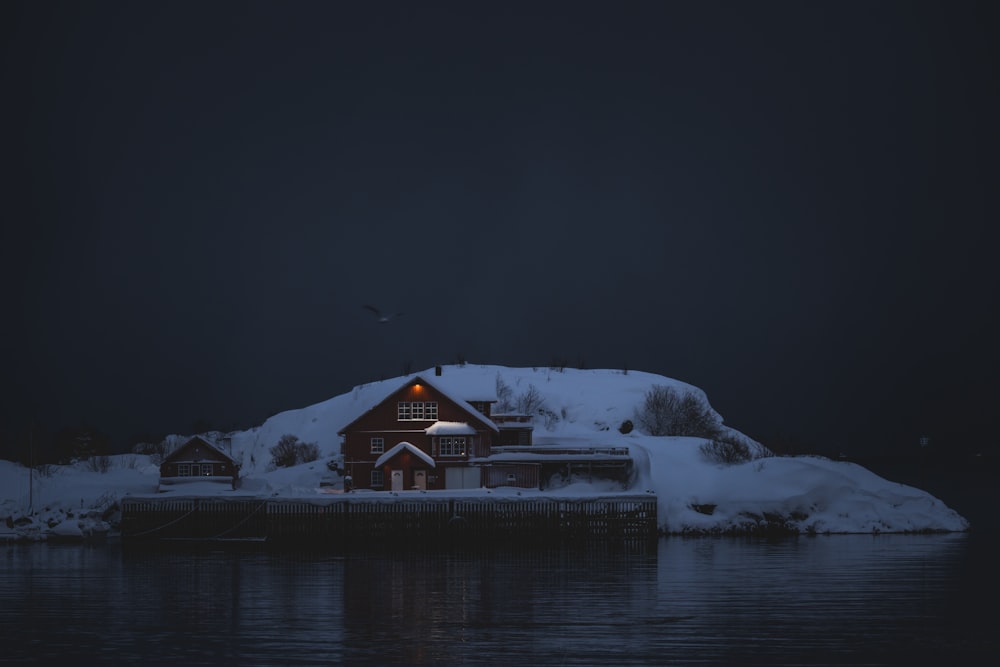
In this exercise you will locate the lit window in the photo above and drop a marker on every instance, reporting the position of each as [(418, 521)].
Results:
[(452, 446), (418, 411)]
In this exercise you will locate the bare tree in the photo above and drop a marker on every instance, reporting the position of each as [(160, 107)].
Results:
[(505, 401), (530, 401), (156, 451)]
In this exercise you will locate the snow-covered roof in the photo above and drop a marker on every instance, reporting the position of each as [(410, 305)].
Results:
[(450, 428), (463, 403), (174, 455), (419, 453)]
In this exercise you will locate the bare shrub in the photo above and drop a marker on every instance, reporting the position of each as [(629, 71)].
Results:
[(307, 451), (98, 463), (289, 451), (665, 411), (284, 453), (626, 427), (727, 451), (130, 463), (551, 418)]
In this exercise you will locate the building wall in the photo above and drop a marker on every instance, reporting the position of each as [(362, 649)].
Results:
[(510, 437), (521, 475), (199, 469)]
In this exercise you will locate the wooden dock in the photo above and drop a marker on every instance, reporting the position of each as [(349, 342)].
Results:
[(348, 520)]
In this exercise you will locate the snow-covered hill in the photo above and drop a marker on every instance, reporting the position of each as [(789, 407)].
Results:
[(580, 406)]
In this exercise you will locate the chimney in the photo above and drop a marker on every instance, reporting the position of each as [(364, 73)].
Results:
[(437, 370)]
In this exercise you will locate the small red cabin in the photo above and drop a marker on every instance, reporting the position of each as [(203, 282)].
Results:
[(198, 460)]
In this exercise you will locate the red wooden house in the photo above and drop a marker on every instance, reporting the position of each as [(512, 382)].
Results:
[(198, 460), (418, 437)]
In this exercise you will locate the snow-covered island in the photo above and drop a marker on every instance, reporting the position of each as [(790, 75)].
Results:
[(571, 408)]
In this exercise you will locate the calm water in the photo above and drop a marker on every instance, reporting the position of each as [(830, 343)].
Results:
[(838, 600)]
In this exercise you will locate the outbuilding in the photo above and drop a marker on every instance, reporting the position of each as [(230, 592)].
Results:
[(198, 460)]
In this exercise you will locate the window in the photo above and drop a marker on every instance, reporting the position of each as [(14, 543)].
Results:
[(183, 469), (452, 446), (378, 481), (418, 410), (206, 469), (378, 445)]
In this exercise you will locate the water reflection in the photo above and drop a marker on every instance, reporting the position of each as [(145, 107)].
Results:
[(827, 600), (479, 607)]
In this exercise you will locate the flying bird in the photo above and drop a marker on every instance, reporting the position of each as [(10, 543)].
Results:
[(379, 316)]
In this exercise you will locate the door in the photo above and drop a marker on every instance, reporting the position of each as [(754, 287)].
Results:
[(420, 479), (462, 478), (397, 480)]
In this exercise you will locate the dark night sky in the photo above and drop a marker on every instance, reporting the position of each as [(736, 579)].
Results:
[(790, 205)]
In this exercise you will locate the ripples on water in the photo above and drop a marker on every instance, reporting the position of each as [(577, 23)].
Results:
[(837, 600)]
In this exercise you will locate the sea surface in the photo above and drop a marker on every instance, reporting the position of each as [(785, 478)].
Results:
[(825, 600)]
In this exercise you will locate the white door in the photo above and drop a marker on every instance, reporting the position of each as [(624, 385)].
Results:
[(397, 480), (420, 479)]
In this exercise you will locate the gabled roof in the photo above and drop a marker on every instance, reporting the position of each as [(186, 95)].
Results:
[(419, 453), (462, 403), (197, 440)]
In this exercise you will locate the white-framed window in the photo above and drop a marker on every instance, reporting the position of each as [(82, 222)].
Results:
[(206, 469), (417, 411), (183, 469), (378, 479), (378, 445), (452, 445)]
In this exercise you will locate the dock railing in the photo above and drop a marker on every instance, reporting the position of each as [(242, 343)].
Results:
[(355, 519)]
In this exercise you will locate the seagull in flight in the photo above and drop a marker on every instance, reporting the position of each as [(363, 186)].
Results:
[(379, 316)]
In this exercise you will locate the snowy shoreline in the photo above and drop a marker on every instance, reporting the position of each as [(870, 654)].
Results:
[(806, 495)]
